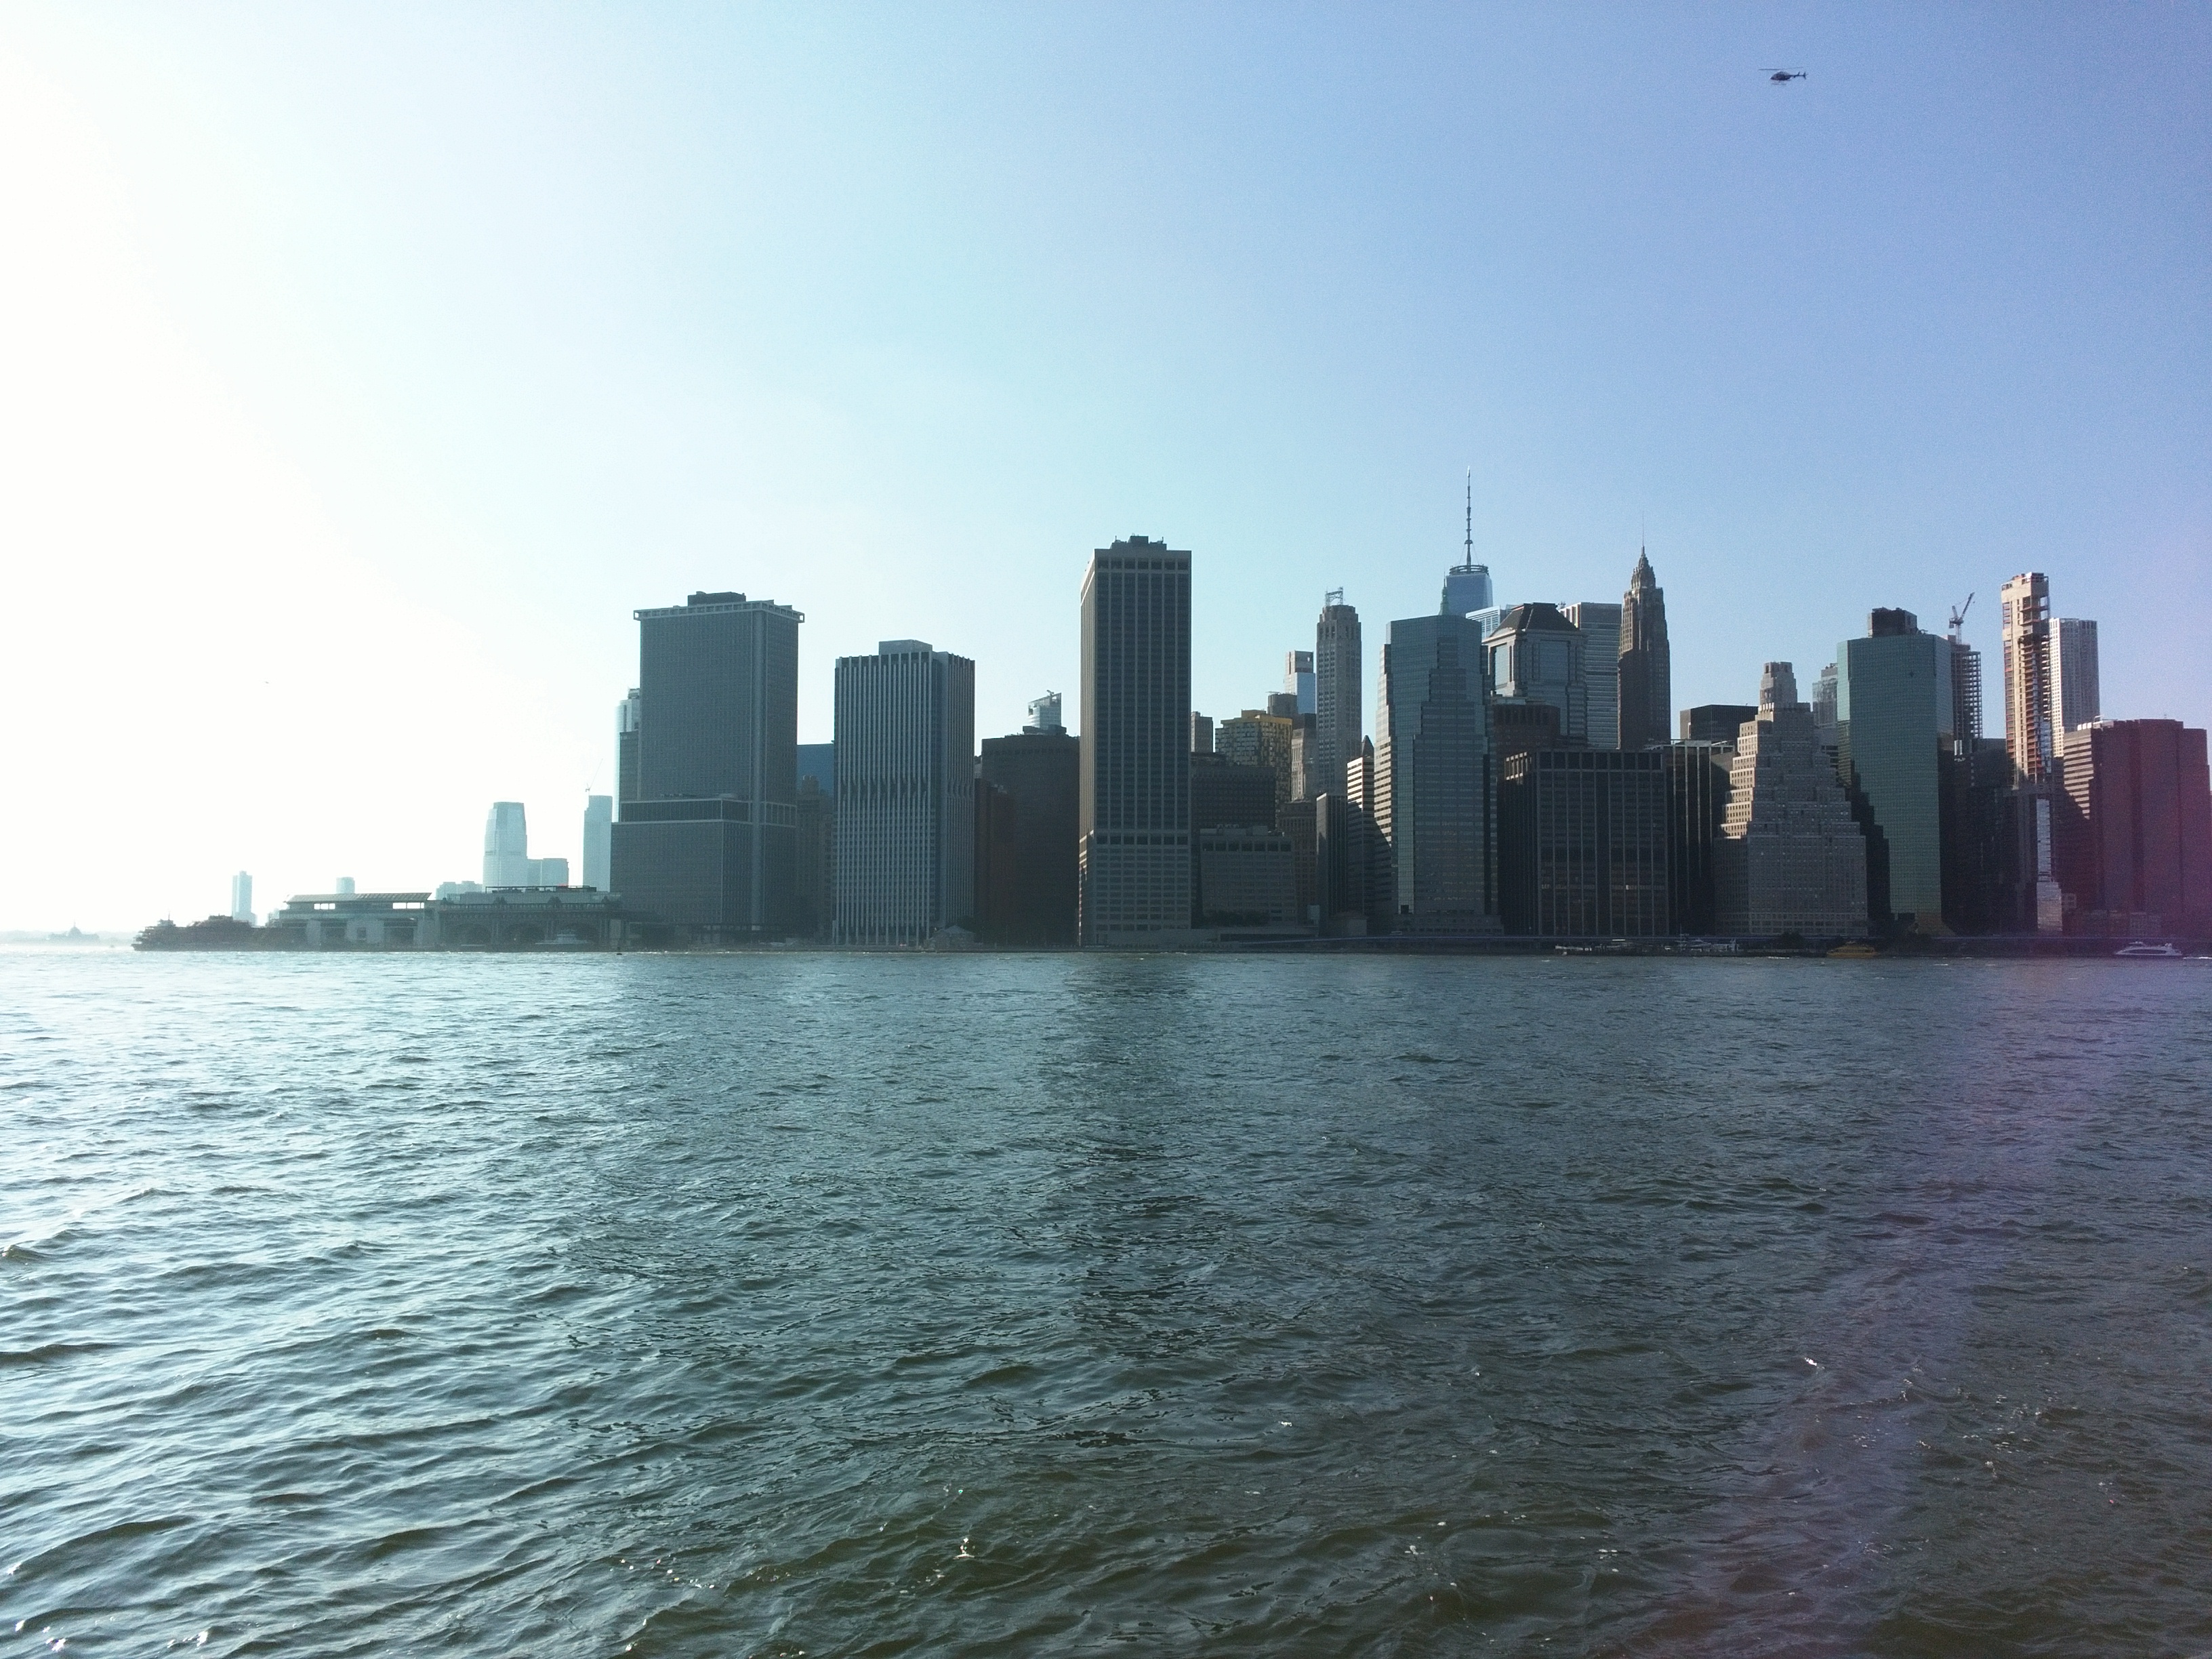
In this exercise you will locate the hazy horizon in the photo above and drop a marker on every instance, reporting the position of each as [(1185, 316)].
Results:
[(367, 368)]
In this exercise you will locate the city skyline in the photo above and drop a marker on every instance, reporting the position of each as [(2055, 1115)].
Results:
[(364, 332)]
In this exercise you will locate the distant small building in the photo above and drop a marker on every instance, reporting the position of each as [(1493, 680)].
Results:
[(241, 897), (598, 841), (1716, 722), (486, 918)]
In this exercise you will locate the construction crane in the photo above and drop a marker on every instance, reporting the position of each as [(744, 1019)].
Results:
[(1959, 614)]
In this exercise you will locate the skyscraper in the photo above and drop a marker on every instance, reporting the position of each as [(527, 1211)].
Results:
[(1467, 584), (1338, 695), (1298, 680), (1646, 671), (507, 846), (1041, 769), (2025, 626), (1582, 842), (1537, 655), (2134, 828), (626, 749), (706, 846), (241, 897), (1790, 859), (2073, 674), (1716, 722), (1895, 707), (1600, 626), (1135, 804), (598, 841), (905, 794), (1433, 761)]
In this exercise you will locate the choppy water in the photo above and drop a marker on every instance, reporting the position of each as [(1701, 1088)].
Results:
[(751, 1305)]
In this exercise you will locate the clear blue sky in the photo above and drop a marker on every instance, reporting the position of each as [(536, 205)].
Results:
[(368, 366)]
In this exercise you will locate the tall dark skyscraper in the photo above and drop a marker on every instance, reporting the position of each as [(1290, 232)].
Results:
[(1338, 716), (705, 845), (1436, 773), (1040, 769), (1647, 680), (1135, 847), (1582, 841)]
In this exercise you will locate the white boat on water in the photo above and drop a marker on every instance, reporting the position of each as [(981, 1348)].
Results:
[(2140, 949)]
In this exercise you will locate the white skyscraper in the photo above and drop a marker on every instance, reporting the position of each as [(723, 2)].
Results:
[(507, 846), (598, 841), (905, 794), (241, 897), (2073, 673)]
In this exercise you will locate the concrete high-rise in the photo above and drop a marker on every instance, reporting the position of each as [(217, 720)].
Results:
[(706, 847), (2025, 629), (241, 897), (1894, 708), (1646, 701), (2134, 832), (1135, 803), (1600, 626), (1339, 695), (2074, 691), (507, 846), (905, 722), (1790, 859), (1434, 763), (598, 841), (1536, 656)]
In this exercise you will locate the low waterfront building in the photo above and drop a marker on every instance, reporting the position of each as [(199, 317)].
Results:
[(482, 919), (1246, 877)]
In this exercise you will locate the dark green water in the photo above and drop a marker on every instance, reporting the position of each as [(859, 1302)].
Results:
[(756, 1305)]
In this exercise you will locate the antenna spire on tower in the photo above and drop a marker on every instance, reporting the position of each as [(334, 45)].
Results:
[(1470, 543)]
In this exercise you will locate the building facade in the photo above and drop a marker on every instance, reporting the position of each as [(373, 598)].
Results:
[(1790, 859), (1042, 770), (1246, 877), (1135, 797), (2134, 829), (1338, 695), (1697, 778), (905, 795), (706, 847), (2074, 690), (1646, 671), (1600, 626), (1582, 839), (1434, 764), (1716, 722), (1536, 656), (1894, 705), (598, 841), (241, 897), (2024, 630)]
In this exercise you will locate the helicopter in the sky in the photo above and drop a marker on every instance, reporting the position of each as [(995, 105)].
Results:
[(1786, 75)]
